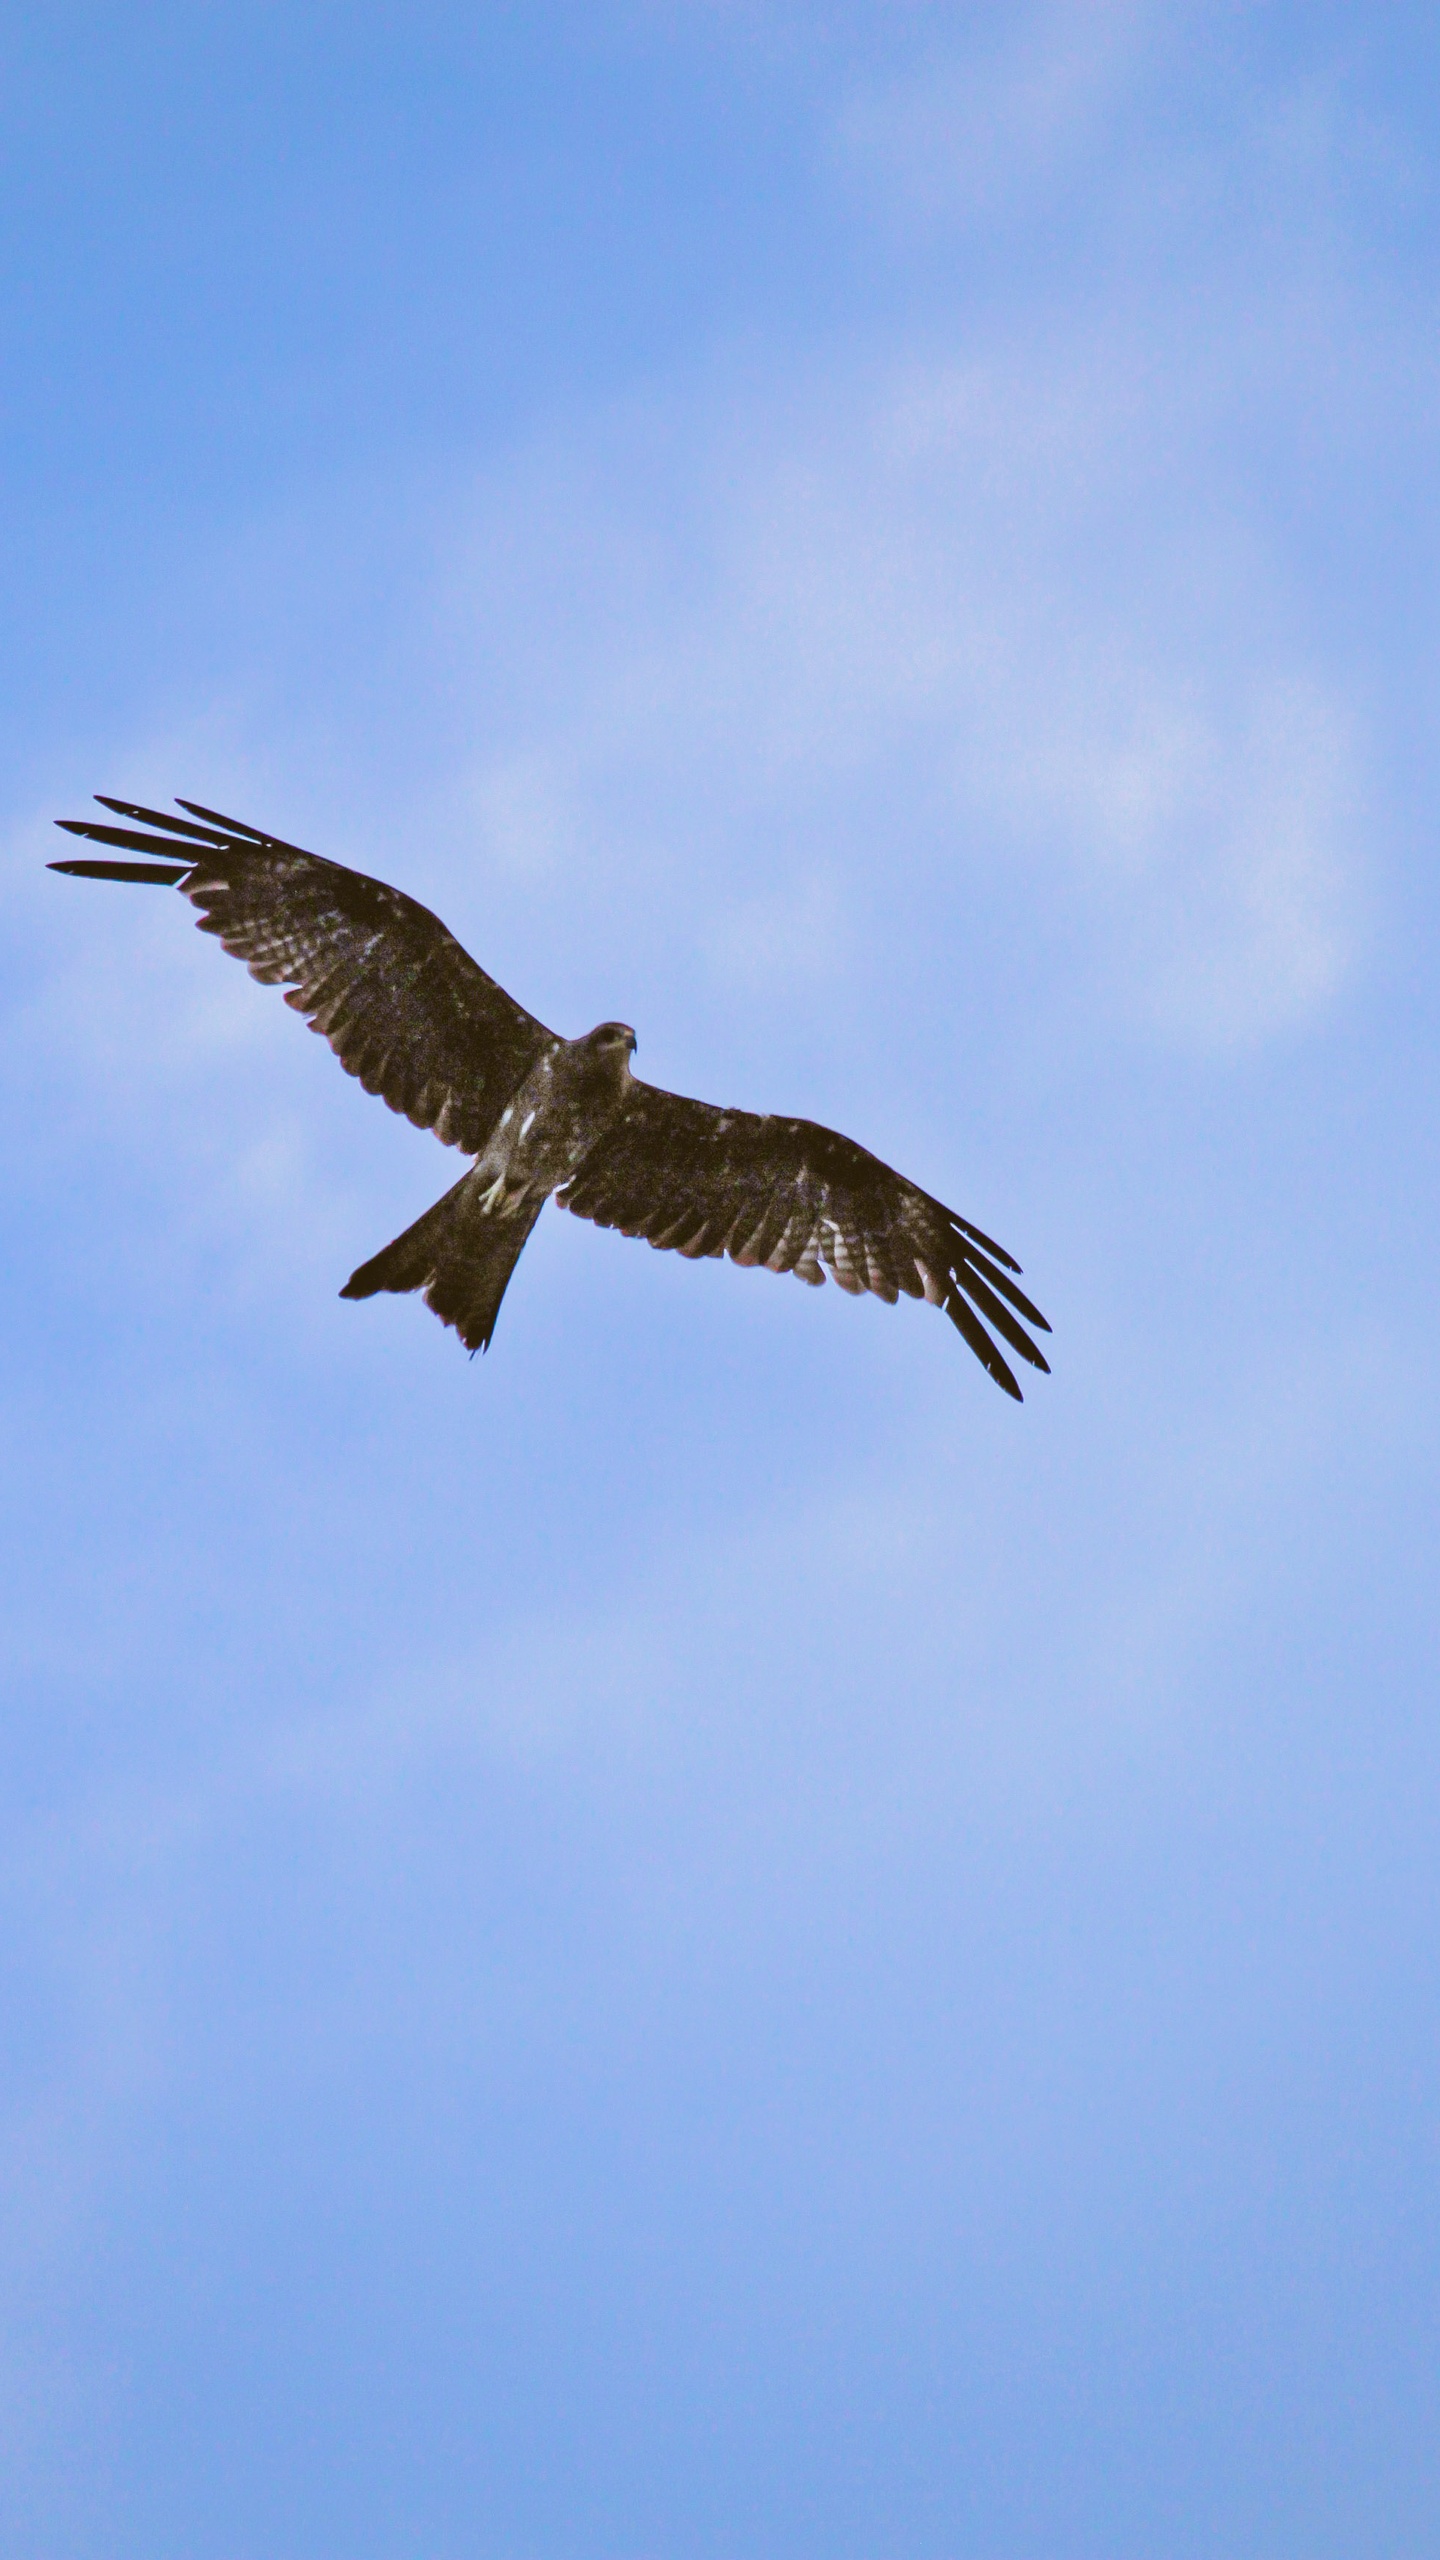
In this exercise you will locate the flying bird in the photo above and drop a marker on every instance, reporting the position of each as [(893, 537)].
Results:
[(419, 1022)]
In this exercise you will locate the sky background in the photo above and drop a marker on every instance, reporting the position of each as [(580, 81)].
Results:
[(700, 1937)]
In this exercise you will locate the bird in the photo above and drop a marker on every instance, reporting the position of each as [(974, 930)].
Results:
[(407, 1011)]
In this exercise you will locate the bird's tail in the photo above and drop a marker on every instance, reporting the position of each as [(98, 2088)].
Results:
[(459, 1254)]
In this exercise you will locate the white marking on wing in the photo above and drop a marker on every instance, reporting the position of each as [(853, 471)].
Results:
[(781, 1256), (836, 1248)]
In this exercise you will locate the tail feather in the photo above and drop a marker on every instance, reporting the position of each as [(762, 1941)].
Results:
[(460, 1255)]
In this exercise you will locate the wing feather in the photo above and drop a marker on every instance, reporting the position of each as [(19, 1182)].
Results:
[(791, 1196), (403, 1006)]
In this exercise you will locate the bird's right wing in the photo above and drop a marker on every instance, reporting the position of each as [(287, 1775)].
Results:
[(402, 1005), (793, 1196)]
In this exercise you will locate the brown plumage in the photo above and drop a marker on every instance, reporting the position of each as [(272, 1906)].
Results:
[(412, 1015)]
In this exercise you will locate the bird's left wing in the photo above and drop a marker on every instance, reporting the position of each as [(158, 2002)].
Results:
[(791, 1196), (402, 1005)]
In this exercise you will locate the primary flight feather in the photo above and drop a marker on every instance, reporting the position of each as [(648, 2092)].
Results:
[(418, 1021)]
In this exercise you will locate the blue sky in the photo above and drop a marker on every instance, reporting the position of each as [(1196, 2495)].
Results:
[(700, 1938)]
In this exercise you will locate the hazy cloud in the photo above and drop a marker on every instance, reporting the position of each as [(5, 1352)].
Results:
[(917, 585), (986, 129)]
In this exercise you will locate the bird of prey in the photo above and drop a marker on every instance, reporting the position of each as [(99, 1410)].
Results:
[(412, 1015)]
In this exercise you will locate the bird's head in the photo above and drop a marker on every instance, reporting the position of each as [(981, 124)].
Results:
[(612, 1046)]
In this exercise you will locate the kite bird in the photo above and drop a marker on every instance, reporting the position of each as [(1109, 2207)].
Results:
[(410, 1013)]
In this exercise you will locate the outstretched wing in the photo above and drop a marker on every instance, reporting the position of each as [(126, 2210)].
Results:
[(795, 1197), (402, 1005)]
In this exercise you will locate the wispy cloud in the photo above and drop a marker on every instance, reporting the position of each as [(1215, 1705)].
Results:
[(967, 595), (988, 128)]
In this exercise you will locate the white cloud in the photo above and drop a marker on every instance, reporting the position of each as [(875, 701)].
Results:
[(969, 598)]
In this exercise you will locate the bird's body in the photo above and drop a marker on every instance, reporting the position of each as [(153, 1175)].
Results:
[(567, 1101), (420, 1023)]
